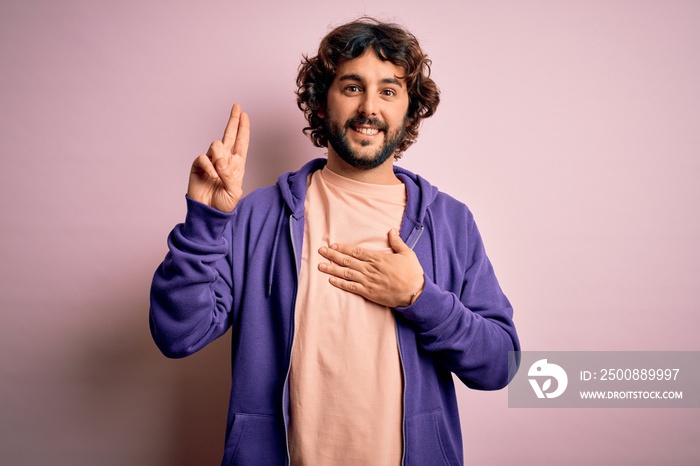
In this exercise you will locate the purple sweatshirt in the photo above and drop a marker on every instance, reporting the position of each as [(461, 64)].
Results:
[(239, 270)]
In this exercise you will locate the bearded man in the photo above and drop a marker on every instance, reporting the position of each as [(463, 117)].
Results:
[(353, 288)]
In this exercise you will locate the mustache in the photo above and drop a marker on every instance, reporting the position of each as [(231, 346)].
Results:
[(360, 120)]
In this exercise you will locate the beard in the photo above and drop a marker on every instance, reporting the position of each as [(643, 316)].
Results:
[(337, 136)]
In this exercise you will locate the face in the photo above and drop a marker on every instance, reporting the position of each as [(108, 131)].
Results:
[(365, 117)]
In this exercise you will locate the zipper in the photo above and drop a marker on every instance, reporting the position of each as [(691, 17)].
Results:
[(413, 243), (417, 235), (285, 390), (403, 396)]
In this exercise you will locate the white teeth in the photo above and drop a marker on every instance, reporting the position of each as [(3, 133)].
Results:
[(368, 131)]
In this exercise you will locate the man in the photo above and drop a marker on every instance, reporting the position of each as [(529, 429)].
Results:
[(353, 288)]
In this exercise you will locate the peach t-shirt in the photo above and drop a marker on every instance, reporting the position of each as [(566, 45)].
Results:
[(346, 380)]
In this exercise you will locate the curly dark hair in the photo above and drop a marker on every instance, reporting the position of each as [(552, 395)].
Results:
[(390, 42)]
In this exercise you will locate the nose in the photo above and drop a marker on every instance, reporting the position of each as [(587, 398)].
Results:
[(369, 105)]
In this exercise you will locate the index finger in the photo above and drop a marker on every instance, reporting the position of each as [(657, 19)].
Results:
[(347, 255), (232, 127)]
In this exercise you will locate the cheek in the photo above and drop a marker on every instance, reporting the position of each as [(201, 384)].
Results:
[(402, 119), (402, 114)]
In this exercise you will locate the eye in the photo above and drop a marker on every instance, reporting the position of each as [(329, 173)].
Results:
[(389, 92), (352, 88)]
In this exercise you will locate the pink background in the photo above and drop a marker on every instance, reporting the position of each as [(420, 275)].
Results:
[(570, 129)]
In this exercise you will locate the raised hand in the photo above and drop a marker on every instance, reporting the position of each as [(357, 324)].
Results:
[(391, 279), (216, 178)]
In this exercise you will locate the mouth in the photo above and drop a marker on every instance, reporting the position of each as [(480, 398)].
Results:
[(366, 126), (366, 130)]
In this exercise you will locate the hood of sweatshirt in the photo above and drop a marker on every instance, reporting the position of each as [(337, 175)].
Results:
[(419, 192)]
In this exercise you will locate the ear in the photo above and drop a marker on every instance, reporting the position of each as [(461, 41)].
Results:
[(321, 113)]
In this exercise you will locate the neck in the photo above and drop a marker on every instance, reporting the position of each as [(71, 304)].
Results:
[(383, 174)]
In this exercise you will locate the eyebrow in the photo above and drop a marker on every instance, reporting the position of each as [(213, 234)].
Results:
[(357, 77)]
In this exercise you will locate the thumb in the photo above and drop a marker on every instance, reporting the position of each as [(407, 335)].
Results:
[(222, 163), (396, 242), (225, 170)]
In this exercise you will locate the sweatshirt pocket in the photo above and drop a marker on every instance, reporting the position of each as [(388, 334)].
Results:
[(426, 435), (255, 439)]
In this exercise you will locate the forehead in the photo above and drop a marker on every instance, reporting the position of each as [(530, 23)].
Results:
[(369, 67)]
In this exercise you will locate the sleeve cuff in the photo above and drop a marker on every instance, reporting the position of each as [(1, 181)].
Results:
[(430, 309), (204, 222)]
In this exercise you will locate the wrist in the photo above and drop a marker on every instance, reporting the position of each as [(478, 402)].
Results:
[(417, 292), (414, 296)]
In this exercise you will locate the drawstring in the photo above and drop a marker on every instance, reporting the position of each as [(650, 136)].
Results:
[(275, 244)]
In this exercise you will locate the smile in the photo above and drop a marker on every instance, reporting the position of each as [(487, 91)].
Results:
[(367, 131)]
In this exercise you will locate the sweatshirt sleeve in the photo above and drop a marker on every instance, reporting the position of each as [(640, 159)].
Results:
[(468, 331), (191, 289)]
